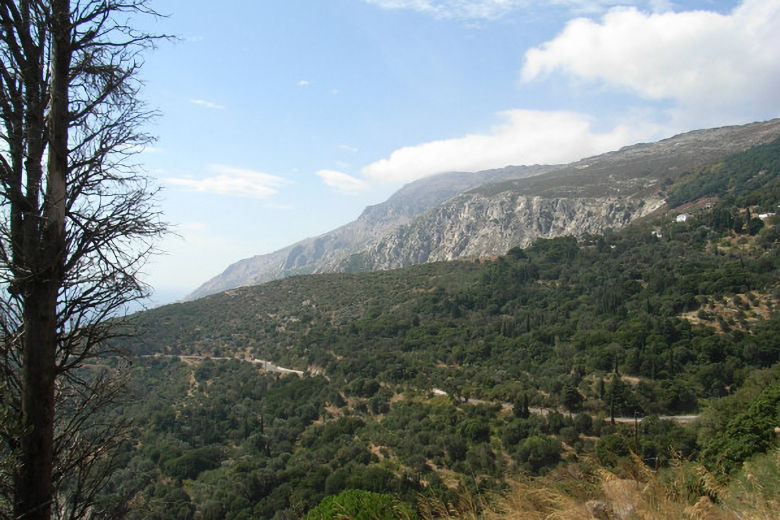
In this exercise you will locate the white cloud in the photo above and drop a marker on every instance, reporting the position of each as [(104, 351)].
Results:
[(491, 9), (526, 137), (342, 182), (207, 104), (348, 148), (303, 83), (232, 181), (711, 66), (704, 68)]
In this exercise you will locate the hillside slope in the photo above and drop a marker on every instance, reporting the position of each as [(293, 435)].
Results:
[(590, 196), (461, 215), (314, 254), (537, 351)]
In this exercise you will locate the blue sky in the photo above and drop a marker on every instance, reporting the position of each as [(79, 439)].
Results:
[(283, 119)]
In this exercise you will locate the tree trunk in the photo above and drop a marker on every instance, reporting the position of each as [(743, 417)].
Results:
[(67, 89), (45, 252), (37, 451)]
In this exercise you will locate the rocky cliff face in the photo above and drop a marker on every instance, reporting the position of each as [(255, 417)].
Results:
[(320, 254), (476, 225), (459, 215)]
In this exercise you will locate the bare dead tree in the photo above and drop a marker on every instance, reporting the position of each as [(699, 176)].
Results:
[(77, 221)]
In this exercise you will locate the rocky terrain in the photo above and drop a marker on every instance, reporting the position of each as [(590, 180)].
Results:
[(462, 214), (476, 225), (326, 251)]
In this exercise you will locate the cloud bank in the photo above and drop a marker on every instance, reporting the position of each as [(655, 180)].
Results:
[(713, 67), (232, 181), (525, 137), (687, 70)]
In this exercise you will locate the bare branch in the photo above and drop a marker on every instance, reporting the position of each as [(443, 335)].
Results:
[(77, 222)]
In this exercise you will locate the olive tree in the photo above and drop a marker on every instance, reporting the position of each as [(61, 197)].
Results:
[(77, 221)]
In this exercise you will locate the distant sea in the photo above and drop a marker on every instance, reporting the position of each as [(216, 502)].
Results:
[(160, 296)]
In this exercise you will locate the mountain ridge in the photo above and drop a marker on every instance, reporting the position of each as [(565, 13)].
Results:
[(376, 220), (463, 214)]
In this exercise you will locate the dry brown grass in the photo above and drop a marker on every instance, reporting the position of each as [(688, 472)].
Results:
[(739, 311), (527, 499), (684, 491)]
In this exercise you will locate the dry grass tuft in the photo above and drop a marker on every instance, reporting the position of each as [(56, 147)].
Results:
[(684, 491), (466, 507), (528, 500)]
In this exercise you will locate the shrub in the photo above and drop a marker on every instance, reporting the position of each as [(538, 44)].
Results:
[(357, 504)]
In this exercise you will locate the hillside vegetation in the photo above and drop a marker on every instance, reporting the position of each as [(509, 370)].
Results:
[(445, 381)]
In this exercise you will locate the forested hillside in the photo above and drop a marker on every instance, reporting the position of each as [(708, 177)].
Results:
[(449, 379)]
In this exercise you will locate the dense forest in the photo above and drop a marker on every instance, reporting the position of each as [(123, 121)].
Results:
[(427, 384)]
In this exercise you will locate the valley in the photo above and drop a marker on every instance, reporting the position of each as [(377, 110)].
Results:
[(475, 260), (628, 352)]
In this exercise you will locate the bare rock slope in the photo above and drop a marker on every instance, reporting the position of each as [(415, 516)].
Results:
[(318, 253), (457, 215)]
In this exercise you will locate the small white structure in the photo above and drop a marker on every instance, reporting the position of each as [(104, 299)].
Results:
[(682, 217)]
